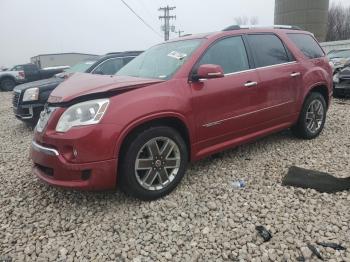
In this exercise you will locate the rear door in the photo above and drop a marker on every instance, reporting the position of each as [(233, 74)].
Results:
[(225, 106), (279, 78)]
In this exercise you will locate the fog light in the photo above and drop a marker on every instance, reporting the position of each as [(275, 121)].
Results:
[(85, 174)]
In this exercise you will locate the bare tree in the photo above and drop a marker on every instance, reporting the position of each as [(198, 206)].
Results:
[(241, 20), (338, 27), (254, 20), (244, 20)]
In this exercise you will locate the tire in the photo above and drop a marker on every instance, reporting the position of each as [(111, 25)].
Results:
[(7, 84), (310, 125), (145, 179)]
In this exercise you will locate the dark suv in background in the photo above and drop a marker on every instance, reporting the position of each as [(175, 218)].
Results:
[(29, 99)]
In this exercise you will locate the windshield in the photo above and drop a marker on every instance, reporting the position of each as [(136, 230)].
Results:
[(17, 68), (339, 54), (80, 68), (160, 61)]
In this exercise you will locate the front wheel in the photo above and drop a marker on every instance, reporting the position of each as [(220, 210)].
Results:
[(7, 84), (312, 117), (153, 163)]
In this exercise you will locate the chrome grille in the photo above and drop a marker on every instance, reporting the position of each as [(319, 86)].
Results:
[(16, 98), (344, 82)]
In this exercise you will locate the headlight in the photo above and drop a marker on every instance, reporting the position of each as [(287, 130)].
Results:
[(82, 114), (31, 94), (336, 78)]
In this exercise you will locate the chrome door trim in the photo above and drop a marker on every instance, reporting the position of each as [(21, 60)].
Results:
[(272, 66), (263, 67), (219, 122)]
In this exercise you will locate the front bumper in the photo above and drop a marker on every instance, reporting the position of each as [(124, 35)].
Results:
[(28, 112), (51, 167), (340, 88)]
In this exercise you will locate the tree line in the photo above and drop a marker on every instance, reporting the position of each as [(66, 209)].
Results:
[(338, 27)]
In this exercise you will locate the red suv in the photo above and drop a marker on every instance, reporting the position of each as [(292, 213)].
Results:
[(181, 101)]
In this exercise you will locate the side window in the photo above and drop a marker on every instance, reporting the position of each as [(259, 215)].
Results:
[(128, 59), (109, 67), (268, 50), (307, 44), (18, 68), (229, 53), (30, 68)]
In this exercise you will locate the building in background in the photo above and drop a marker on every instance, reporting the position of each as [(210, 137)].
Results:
[(310, 15), (63, 59)]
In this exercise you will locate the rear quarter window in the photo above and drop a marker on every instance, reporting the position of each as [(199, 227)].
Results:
[(307, 44)]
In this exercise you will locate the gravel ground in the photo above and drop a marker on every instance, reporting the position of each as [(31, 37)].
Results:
[(205, 219)]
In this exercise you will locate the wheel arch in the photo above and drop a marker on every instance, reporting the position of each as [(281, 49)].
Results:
[(322, 89), (175, 121), (7, 76)]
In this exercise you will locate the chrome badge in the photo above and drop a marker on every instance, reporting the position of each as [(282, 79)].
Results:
[(44, 118)]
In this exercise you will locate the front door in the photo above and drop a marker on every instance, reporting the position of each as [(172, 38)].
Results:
[(223, 107)]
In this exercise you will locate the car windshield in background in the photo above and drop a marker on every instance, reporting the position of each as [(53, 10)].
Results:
[(339, 54), (80, 68), (161, 61), (16, 68)]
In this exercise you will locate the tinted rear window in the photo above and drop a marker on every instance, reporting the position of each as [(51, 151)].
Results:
[(268, 50), (307, 44)]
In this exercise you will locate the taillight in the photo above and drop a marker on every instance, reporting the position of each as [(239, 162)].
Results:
[(21, 74)]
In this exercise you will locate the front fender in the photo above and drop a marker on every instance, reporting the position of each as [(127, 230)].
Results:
[(134, 108)]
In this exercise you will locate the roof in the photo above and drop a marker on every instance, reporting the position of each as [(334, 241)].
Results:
[(71, 53), (241, 29)]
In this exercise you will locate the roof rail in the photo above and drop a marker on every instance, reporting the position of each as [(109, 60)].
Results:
[(238, 27), (124, 52)]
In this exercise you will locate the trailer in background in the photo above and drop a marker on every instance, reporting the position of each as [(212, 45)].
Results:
[(61, 59)]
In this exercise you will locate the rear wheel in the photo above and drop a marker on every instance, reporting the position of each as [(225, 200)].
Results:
[(7, 84), (153, 163), (312, 117)]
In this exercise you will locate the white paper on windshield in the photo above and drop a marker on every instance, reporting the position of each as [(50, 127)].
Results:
[(177, 55)]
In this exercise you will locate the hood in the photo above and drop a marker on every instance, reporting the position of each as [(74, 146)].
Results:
[(86, 85), (11, 73), (345, 73), (46, 83)]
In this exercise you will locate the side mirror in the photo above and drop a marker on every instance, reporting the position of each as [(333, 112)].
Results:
[(209, 71)]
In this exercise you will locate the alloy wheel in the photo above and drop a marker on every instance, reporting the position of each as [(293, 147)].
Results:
[(157, 163), (314, 116)]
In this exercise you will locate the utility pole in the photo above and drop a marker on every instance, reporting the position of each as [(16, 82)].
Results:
[(167, 17), (180, 32)]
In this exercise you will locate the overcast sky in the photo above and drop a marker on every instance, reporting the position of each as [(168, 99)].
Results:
[(32, 27)]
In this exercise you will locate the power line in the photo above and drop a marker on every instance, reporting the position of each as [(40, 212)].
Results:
[(139, 17)]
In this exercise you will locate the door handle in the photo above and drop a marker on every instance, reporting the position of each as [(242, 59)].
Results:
[(250, 84), (295, 74)]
